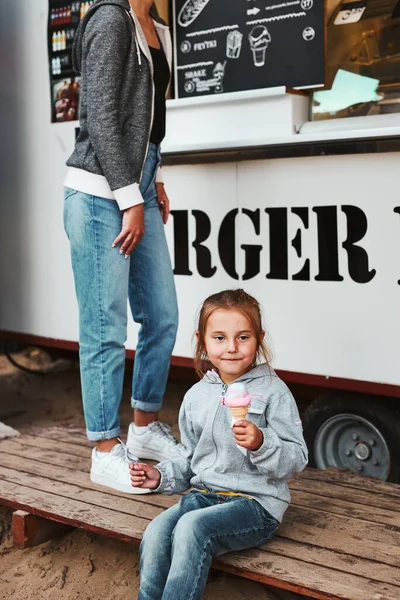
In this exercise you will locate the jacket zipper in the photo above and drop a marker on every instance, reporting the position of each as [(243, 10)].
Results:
[(222, 395)]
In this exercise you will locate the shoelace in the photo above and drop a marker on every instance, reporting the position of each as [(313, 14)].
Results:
[(122, 451), (164, 431)]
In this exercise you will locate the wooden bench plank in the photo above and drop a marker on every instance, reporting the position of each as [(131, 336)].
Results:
[(344, 477), (100, 520), (75, 477), (137, 506), (366, 510), (363, 539), (348, 508), (330, 475), (317, 582), (314, 555), (65, 433), (59, 435), (288, 548), (335, 490), (342, 534), (79, 482), (345, 508), (71, 449), (318, 528), (46, 456), (127, 505), (299, 498), (322, 506), (254, 564), (29, 530)]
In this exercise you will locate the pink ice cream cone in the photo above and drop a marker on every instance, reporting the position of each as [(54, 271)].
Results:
[(237, 400)]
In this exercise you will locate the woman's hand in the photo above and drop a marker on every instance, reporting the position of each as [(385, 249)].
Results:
[(163, 201), (247, 435), (145, 476), (132, 229)]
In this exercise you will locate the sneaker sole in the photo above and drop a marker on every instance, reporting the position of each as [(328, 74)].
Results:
[(108, 482)]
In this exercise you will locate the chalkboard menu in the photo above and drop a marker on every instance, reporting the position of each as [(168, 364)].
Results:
[(235, 45)]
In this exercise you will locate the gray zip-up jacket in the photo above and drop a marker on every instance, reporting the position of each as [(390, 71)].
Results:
[(212, 461), (116, 101)]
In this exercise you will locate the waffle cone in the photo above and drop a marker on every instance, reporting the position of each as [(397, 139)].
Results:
[(238, 412)]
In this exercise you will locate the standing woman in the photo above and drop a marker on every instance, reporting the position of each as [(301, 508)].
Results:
[(114, 214)]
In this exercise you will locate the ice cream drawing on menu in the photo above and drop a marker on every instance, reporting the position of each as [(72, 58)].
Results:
[(259, 38), (234, 44), (190, 11), (218, 74), (238, 401)]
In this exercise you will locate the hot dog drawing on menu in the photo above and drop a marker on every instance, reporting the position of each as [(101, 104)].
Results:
[(190, 11)]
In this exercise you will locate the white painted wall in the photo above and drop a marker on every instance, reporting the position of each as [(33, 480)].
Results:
[(342, 329), (337, 329)]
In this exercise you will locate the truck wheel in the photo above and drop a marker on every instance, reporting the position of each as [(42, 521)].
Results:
[(360, 433)]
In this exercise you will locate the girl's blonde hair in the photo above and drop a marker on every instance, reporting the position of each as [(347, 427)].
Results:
[(230, 300)]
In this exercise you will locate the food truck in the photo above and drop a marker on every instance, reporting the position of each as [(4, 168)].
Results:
[(281, 163)]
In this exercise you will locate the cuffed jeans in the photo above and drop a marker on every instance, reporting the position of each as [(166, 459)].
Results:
[(104, 280), (179, 544)]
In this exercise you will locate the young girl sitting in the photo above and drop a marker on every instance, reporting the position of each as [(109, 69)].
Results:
[(238, 473)]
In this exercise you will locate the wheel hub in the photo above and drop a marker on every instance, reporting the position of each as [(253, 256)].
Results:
[(362, 452), (351, 441)]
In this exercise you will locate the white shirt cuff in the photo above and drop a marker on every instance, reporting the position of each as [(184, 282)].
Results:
[(128, 196), (159, 176)]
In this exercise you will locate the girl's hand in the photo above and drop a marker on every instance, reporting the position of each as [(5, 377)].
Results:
[(247, 435), (163, 201), (143, 475), (132, 229)]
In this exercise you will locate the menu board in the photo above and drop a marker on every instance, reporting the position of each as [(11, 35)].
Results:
[(235, 45), (64, 18)]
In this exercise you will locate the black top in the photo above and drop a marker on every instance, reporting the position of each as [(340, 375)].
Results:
[(161, 81)]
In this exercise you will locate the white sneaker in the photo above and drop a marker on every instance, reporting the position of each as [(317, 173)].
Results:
[(156, 444), (112, 469)]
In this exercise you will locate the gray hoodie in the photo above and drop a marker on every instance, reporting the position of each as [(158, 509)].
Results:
[(211, 460), (116, 101)]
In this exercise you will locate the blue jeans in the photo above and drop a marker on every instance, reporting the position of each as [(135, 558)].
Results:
[(179, 544), (104, 281)]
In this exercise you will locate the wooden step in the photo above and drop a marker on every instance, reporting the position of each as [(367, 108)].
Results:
[(339, 539)]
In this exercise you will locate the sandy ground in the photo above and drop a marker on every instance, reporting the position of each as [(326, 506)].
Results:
[(80, 565)]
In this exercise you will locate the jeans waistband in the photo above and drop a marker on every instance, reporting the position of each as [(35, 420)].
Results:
[(224, 493), (153, 149)]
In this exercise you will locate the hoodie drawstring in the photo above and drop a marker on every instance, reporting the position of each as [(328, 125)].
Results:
[(136, 40), (138, 51)]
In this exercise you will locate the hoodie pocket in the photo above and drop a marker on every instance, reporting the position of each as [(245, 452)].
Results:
[(256, 412)]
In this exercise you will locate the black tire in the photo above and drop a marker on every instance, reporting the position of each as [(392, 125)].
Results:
[(381, 413)]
